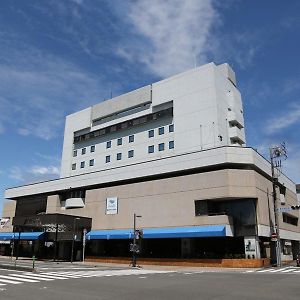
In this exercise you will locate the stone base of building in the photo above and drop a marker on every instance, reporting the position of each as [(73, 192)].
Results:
[(218, 263)]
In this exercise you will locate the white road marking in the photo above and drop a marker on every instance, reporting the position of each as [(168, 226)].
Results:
[(32, 276), (279, 270), (265, 271), (9, 281), (289, 270), (19, 279)]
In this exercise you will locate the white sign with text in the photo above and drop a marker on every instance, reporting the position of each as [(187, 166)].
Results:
[(112, 206)]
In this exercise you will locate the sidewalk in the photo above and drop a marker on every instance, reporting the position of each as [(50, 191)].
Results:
[(27, 263)]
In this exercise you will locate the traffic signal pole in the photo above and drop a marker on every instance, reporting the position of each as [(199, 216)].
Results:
[(134, 253)]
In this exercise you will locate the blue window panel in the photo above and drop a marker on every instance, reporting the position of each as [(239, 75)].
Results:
[(161, 147), (119, 141), (130, 153), (161, 130), (151, 149), (151, 133), (131, 139)]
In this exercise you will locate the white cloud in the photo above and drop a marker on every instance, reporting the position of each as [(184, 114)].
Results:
[(287, 119), (174, 33), (41, 170), (36, 173), (16, 173)]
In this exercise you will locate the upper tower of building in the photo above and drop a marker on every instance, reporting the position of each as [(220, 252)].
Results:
[(195, 110)]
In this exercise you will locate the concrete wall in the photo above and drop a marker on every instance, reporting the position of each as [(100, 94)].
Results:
[(171, 201)]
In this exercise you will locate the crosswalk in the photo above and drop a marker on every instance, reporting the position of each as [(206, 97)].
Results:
[(28, 277), (285, 270)]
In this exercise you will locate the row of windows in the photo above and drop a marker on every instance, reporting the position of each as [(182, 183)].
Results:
[(83, 151), (126, 124), (161, 147), (82, 164), (161, 131)]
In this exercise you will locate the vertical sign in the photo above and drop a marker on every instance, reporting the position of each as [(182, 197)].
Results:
[(112, 206)]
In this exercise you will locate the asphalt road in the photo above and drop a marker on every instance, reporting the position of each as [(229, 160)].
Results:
[(125, 283)]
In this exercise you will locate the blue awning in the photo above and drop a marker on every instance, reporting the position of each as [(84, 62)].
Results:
[(30, 236), (185, 232), (159, 233), (6, 236), (109, 234)]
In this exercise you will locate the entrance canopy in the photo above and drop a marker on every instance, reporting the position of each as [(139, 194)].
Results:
[(158, 233)]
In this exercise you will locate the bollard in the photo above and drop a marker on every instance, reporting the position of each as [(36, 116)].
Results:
[(33, 261)]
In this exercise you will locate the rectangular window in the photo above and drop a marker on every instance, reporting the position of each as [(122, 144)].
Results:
[(131, 139), (130, 153), (83, 150), (108, 144), (151, 149), (92, 161), (161, 147), (74, 153), (151, 133), (107, 159), (119, 156), (171, 145), (119, 141), (82, 165), (73, 166), (171, 128), (161, 130), (92, 148)]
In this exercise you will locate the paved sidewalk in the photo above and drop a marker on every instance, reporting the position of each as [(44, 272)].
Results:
[(23, 262)]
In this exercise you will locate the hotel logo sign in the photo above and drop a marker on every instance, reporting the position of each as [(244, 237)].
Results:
[(112, 206)]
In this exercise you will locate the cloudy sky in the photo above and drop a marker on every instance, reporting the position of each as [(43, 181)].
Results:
[(57, 57)]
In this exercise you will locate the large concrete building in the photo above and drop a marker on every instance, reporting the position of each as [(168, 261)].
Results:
[(172, 152)]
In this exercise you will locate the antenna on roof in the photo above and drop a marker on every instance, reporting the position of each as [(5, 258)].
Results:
[(195, 61)]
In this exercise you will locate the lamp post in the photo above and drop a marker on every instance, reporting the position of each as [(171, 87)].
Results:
[(134, 240), (74, 237)]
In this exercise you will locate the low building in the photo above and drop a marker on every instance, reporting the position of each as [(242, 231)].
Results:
[(174, 153)]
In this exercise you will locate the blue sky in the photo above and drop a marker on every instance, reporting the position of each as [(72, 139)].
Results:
[(57, 57)]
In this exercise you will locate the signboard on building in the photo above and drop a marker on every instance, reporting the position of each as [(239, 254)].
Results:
[(111, 206), (3, 222)]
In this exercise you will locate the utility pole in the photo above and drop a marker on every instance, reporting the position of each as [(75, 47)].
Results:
[(276, 152)]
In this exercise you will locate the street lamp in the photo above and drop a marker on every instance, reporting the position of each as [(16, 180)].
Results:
[(74, 237), (134, 240)]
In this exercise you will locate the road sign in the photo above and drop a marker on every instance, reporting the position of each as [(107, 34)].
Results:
[(274, 237), (284, 209)]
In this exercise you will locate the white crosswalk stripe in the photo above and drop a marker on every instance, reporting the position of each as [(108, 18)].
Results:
[(285, 270), (12, 277), (28, 277)]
